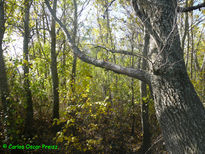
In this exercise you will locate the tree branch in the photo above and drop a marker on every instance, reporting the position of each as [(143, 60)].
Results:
[(109, 5), (135, 73), (124, 52), (146, 21), (188, 9)]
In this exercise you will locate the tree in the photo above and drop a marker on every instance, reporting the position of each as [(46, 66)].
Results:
[(54, 71), (74, 65), (146, 140), (3, 77), (4, 88), (178, 108), (29, 103)]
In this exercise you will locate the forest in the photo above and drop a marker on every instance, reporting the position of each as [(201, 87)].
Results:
[(102, 76)]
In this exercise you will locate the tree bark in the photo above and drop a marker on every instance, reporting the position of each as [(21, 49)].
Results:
[(3, 76), (29, 103), (74, 65), (146, 140), (132, 87), (54, 71), (73, 75), (178, 108), (179, 111), (186, 27), (4, 88)]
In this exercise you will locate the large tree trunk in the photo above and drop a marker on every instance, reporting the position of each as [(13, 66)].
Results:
[(54, 71), (179, 111), (29, 103), (180, 114)]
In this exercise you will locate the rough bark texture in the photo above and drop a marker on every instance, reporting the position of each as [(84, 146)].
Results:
[(29, 103), (54, 71), (179, 111)]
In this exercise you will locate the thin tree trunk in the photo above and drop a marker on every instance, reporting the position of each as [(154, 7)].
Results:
[(43, 19), (63, 62), (132, 88), (108, 37), (146, 140), (4, 88), (73, 75), (3, 77), (29, 103), (74, 65), (133, 108), (187, 53), (186, 27), (54, 71), (192, 49)]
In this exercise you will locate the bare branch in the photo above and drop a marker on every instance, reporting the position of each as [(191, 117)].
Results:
[(124, 52), (85, 4), (192, 8), (135, 73), (109, 5)]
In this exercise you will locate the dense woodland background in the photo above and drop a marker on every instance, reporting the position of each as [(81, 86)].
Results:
[(56, 99)]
